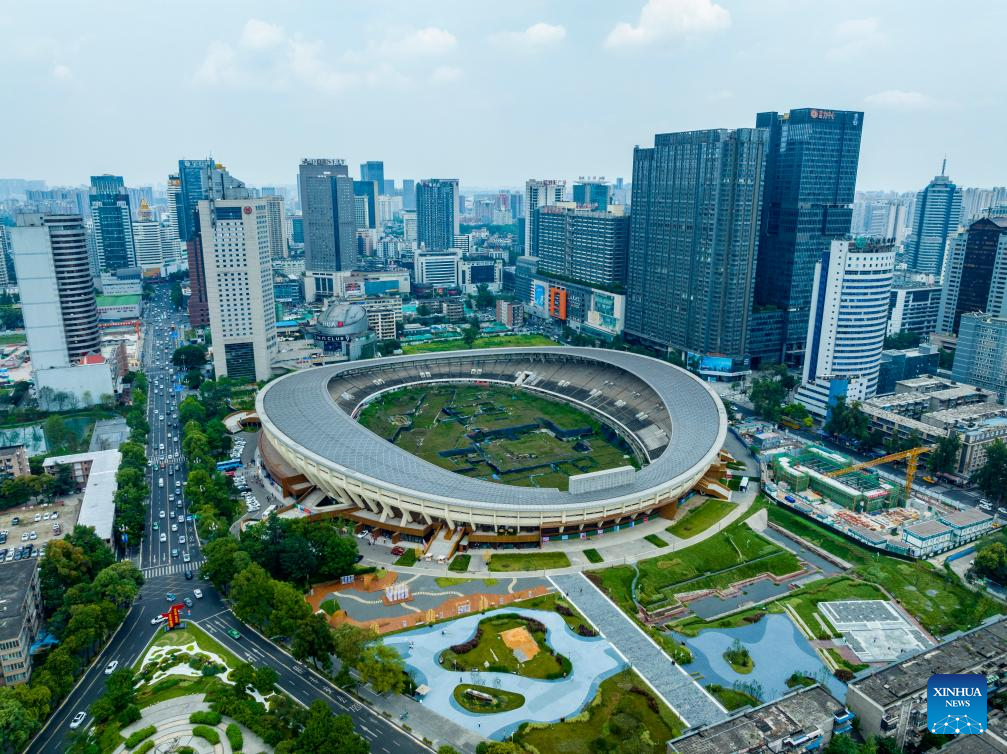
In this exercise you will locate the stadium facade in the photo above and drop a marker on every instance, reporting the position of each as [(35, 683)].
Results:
[(313, 448)]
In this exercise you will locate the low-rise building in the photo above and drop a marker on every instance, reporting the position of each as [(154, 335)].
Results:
[(20, 618), (95, 474), (903, 364), (801, 721), (510, 313), (924, 538), (13, 462), (892, 702), (116, 308), (384, 313)]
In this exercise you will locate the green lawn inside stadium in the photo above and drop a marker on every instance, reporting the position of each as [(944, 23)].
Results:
[(431, 419)]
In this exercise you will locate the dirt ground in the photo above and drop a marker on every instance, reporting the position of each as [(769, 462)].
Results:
[(66, 510), (520, 642)]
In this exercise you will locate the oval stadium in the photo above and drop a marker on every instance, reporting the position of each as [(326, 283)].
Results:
[(630, 435)]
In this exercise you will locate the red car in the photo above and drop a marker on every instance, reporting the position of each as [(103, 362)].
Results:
[(396, 551)]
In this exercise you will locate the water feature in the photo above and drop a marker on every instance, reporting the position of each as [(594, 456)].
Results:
[(777, 648), (593, 660)]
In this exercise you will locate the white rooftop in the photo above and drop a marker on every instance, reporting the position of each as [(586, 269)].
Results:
[(98, 507)]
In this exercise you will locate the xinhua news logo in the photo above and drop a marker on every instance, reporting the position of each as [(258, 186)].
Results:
[(956, 703)]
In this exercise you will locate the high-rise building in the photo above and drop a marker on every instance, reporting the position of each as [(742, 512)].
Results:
[(981, 354), (56, 288), (592, 193), (935, 219), (174, 195), (360, 212), (975, 276), (437, 213), (914, 308), (327, 206), (409, 234), (199, 180), (112, 221), (277, 225), (369, 190), (583, 245), (849, 318), (373, 170), (408, 193), (234, 236), (4, 256), (693, 241), (538, 193), (811, 173), (977, 202), (437, 268), (147, 240)]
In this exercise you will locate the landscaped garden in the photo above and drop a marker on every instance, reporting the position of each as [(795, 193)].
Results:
[(702, 517), (624, 716), (528, 561), (507, 643), (486, 700), (496, 433)]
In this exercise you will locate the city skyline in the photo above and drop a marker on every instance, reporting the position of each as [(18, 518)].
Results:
[(261, 66)]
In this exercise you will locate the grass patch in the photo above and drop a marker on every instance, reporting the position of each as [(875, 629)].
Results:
[(842, 662), (528, 561), (487, 651), (624, 716), (143, 733), (498, 341), (700, 518), (805, 601), (593, 556), (799, 679), (11, 339), (732, 699), (206, 733), (656, 540), (330, 606), (445, 581), (500, 701), (933, 596), (234, 737), (407, 559), (174, 686), (553, 603), (460, 563)]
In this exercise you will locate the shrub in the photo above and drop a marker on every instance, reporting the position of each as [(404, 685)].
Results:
[(564, 610), (234, 737), (212, 668), (139, 735), (460, 563), (197, 662), (208, 717), (468, 646), (144, 747), (844, 674), (586, 631), (206, 733), (651, 701), (129, 715)]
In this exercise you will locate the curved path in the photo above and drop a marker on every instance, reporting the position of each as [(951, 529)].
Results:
[(593, 660)]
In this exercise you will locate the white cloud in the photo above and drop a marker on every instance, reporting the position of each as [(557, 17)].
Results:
[(218, 66), (62, 72), (665, 19), (536, 35), (445, 74), (261, 35), (899, 99), (429, 40), (719, 95), (854, 37)]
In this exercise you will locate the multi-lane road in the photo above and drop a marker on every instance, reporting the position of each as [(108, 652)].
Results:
[(165, 573)]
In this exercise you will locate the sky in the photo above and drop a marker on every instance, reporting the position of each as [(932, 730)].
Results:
[(492, 92)]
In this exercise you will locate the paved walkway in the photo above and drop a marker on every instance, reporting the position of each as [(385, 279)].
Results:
[(592, 659), (690, 701), (171, 718)]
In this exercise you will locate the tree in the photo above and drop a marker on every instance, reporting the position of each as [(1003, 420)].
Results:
[(189, 357), (322, 728), (18, 723), (767, 395), (841, 744), (902, 340), (847, 420), (58, 435), (289, 609), (484, 299), (991, 477), (991, 562), (312, 640), (223, 560), (944, 457), (119, 583), (265, 679), (382, 667), (252, 594), (470, 334), (244, 676), (191, 410), (349, 642), (176, 295), (799, 413)]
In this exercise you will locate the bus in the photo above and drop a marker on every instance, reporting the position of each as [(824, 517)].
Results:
[(230, 465), (743, 487)]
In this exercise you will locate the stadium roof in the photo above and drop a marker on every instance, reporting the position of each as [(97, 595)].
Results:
[(298, 407)]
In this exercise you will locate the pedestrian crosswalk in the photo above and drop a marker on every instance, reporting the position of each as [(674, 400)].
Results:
[(171, 568)]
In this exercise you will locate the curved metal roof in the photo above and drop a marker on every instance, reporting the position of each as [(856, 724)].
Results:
[(298, 407)]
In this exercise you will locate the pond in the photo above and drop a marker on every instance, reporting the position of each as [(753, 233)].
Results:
[(593, 660), (777, 649)]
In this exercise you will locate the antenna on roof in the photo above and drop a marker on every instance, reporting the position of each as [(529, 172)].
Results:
[(944, 165)]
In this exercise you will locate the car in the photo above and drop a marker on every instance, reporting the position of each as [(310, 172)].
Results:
[(55, 515), (188, 517), (157, 619), (174, 552), (15, 521), (188, 574), (398, 551), (160, 514), (170, 596), (188, 602), (163, 537), (232, 633), (46, 516), (174, 527), (363, 534), (24, 536), (110, 668), (155, 526), (185, 557), (198, 593), (181, 539), (181, 518), (38, 517), (77, 720), (33, 535)]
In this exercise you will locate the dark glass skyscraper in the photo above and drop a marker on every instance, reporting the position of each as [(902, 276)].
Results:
[(327, 206), (437, 213), (583, 245), (592, 194), (693, 240), (112, 221), (811, 174), (370, 190), (373, 170)]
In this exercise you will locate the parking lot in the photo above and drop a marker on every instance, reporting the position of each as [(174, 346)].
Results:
[(252, 505), (35, 526)]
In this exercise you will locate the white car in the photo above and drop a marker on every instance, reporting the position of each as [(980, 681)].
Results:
[(198, 593), (174, 527), (77, 720), (160, 514), (164, 537), (157, 619), (110, 668)]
